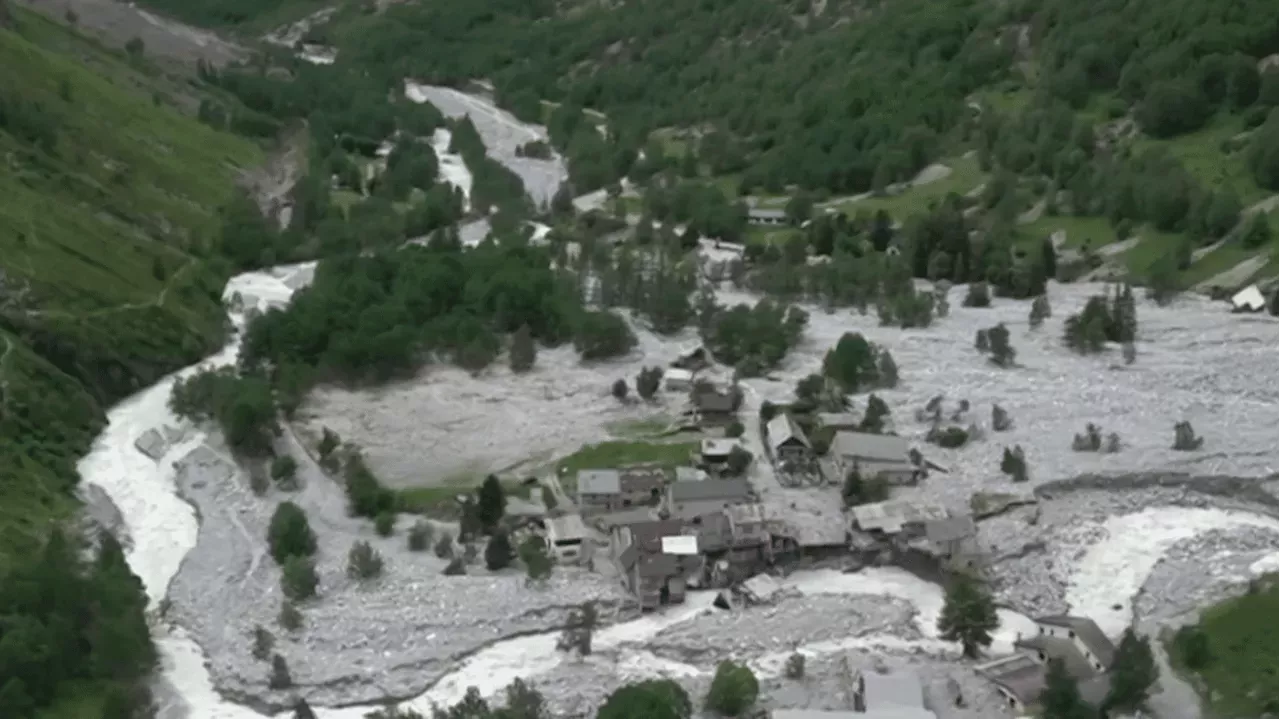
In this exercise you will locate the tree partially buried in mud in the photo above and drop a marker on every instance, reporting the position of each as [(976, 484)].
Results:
[(649, 699), (289, 534), (968, 616), (734, 689)]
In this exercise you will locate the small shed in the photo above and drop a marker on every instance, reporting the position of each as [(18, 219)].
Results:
[(1249, 299), (786, 439), (675, 379)]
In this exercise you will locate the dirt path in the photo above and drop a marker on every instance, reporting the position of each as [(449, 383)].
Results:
[(116, 23), (159, 300)]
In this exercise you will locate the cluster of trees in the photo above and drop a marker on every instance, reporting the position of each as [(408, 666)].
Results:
[(67, 621), (242, 405), (380, 316), (1103, 319), (752, 339), (857, 365)]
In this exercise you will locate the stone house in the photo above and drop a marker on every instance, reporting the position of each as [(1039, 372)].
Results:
[(611, 490), (954, 540), (735, 542), (675, 379), (875, 455), (690, 499), (1082, 647), (787, 440), (651, 567), (713, 408), (897, 516)]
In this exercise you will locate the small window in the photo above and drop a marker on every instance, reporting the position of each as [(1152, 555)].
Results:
[(1071, 634), (626, 502)]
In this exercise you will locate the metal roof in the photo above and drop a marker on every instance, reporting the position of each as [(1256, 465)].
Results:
[(880, 447), (599, 481), (782, 428), (718, 446), (894, 513), (839, 419), (1089, 632), (895, 689), (710, 489)]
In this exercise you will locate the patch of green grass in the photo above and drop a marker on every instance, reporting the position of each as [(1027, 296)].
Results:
[(1240, 677), (440, 499), (1081, 231), (640, 428), (769, 234), (965, 176), (109, 212), (1206, 154), (622, 453)]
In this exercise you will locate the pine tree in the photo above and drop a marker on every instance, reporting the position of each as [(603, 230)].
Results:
[(1061, 697), (498, 553), (491, 502), (1002, 353), (524, 351), (875, 419), (969, 616), (1040, 311), (888, 370), (1133, 672), (280, 677)]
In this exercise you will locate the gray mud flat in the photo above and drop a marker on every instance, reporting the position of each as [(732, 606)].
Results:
[(361, 643)]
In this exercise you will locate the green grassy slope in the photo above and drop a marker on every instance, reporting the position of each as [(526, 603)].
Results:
[(110, 203)]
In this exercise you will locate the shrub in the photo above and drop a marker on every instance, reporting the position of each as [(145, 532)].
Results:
[(981, 341), (456, 567), (537, 562), (289, 534), (648, 382), (619, 390), (420, 536), (978, 295), (1129, 352), (795, 666), (738, 461), (263, 643), (298, 579), (279, 678), (1185, 439), (444, 546), (951, 437), (734, 689), (290, 619), (1192, 645), (1000, 420), (1014, 463), (735, 429), (364, 562), (284, 470), (498, 553), (1002, 353), (384, 524), (1040, 311), (1090, 441)]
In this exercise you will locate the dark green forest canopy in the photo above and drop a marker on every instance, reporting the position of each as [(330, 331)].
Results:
[(829, 99), (374, 317)]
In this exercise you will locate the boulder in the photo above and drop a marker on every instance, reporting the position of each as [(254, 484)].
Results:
[(152, 443)]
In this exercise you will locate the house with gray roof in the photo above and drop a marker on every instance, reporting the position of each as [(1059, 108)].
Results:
[(954, 539), (787, 440), (689, 499), (653, 567), (1084, 650), (766, 216), (896, 515), (874, 455), (611, 490)]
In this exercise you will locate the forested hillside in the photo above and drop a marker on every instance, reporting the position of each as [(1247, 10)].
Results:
[(109, 278)]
